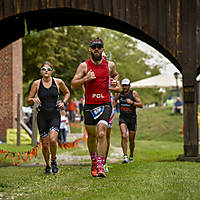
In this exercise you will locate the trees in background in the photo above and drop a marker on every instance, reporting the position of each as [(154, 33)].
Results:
[(66, 47)]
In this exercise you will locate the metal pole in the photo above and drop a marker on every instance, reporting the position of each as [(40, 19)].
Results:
[(18, 118), (176, 74), (177, 88)]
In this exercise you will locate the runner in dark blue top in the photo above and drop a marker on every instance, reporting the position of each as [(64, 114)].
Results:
[(129, 100), (48, 118)]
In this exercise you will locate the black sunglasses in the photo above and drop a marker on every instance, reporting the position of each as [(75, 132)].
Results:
[(125, 85), (98, 46)]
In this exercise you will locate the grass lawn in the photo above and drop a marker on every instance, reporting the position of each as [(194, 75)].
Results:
[(155, 173)]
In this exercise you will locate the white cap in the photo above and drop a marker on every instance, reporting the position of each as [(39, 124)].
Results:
[(125, 81)]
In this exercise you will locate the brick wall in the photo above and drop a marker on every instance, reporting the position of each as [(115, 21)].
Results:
[(10, 85)]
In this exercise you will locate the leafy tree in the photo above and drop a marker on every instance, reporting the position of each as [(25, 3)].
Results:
[(64, 47), (67, 47), (129, 60)]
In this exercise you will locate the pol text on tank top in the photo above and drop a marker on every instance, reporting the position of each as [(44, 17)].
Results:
[(97, 90), (127, 110)]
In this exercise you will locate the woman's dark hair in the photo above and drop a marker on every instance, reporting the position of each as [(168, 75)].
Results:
[(47, 63)]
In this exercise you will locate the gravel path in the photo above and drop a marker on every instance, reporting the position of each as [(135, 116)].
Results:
[(67, 158)]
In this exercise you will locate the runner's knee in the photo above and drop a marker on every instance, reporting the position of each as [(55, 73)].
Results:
[(53, 140), (53, 137), (101, 134), (124, 136)]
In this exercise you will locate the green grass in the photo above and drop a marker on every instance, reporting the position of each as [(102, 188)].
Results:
[(157, 124), (155, 174), (15, 148)]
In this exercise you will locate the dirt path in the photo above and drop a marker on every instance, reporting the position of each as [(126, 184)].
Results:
[(67, 158)]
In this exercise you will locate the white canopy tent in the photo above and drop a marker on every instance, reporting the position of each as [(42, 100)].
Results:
[(159, 81)]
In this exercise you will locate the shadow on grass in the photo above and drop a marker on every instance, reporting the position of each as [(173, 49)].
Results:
[(5, 164), (170, 160), (42, 165)]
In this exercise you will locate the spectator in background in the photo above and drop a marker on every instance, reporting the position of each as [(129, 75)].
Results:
[(169, 102), (81, 108), (178, 106), (64, 123), (26, 120), (71, 108), (76, 105)]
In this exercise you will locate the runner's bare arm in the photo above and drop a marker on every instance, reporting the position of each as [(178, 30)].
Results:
[(31, 98), (116, 89), (63, 88), (115, 99), (114, 76), (138, 102), (113, 72), (81, 77)]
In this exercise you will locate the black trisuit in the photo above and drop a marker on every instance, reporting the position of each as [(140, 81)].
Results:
[(127, 111), (48, 117)]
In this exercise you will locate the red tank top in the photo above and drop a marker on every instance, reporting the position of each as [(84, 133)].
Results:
[(97, 90)]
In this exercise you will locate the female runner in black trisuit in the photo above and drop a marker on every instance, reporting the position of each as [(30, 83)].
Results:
[(48, 117)]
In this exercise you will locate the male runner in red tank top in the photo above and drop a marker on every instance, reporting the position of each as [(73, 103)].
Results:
[(94, 73)]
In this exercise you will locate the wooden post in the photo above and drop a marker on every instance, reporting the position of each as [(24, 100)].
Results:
[(18, 118), (188, 58), (34, 126)]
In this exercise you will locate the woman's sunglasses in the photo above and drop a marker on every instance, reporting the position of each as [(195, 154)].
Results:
[(97, 46), (46, 69)]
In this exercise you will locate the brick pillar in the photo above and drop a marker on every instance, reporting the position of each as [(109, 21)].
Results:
[(10, 85)]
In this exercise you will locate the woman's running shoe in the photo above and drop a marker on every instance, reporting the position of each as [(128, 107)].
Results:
[(54, 167), (47, 170)]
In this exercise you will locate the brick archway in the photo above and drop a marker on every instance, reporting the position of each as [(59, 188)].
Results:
[(171, 27)]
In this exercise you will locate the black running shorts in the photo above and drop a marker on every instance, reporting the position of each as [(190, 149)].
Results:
[(96, 113), (48, 121), (130, 123)]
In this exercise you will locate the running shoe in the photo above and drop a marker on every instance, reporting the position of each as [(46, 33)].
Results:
[(105, 167), (47, 170), (54, 167), (125, 159), (101, 172), (131, 159), (94, 169)]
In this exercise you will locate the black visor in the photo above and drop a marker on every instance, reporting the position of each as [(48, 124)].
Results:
[(96, 42)]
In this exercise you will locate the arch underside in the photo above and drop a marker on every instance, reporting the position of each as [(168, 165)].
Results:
[(15, 27), (170, 26)]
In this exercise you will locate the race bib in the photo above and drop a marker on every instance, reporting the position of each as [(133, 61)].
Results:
[(96, 112)]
